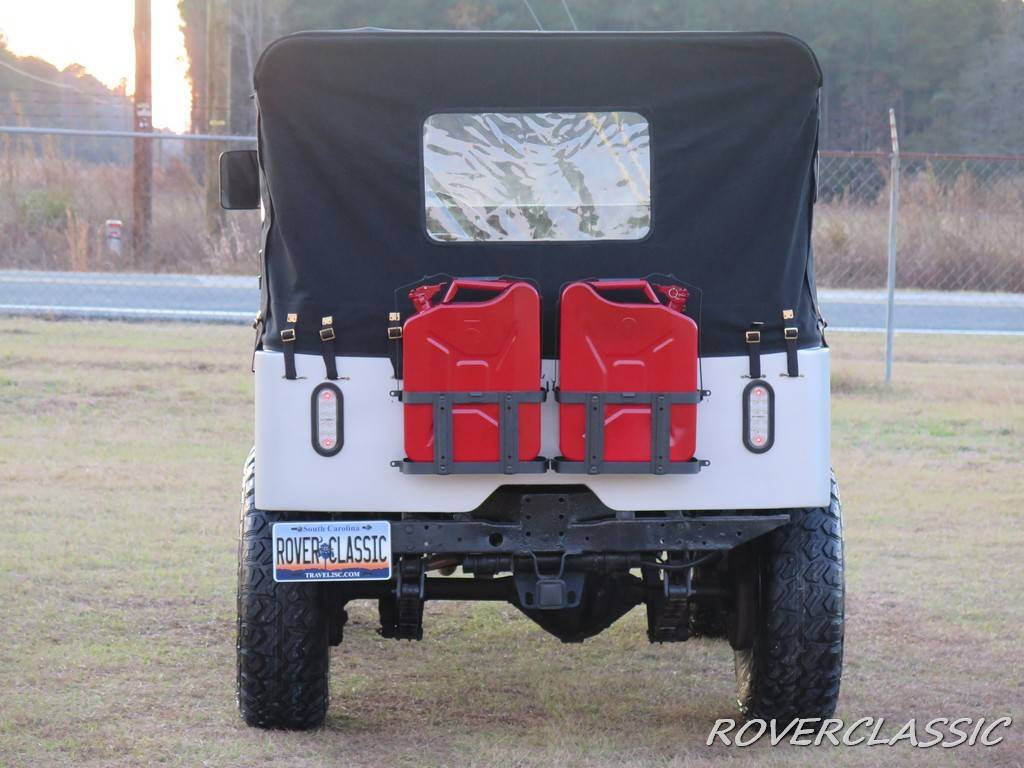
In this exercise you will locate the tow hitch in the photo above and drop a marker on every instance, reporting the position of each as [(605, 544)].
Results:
[(550, 592)]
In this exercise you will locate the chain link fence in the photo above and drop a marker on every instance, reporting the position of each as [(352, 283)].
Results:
[(960, 236), (960, 225), (66, 226), (60, 190)]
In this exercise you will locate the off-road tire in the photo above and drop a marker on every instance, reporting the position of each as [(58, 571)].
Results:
[(795, 664), (282, 645)]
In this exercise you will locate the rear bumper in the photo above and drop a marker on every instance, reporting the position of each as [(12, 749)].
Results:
[(556, 534), (571, 572)]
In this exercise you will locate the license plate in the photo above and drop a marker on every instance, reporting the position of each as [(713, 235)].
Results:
[(332, 551)]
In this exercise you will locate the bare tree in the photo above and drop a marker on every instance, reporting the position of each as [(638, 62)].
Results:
[(252, 24)]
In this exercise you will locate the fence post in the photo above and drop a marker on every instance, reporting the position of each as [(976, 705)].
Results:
[(894, 207)]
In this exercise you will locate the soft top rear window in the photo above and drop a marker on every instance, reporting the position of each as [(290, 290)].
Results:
[(545, 176)]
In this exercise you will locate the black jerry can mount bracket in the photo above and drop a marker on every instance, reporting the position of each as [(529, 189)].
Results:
[(508, 433)]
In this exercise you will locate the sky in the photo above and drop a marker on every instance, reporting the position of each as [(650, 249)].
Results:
[(98, 34)]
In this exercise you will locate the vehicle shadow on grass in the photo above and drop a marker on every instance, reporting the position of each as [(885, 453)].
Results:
[(486, 687), (487, 669)]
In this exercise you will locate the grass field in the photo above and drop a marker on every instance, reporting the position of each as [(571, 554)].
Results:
[(120, 452)]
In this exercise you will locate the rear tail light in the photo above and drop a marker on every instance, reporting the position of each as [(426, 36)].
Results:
[(758, 416), (327, 419)]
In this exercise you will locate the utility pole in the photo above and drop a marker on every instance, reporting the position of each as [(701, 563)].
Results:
[(217, 45), (196, 150), (142, 157)]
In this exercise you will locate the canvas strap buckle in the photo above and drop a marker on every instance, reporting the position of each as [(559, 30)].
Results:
[(753, 339), (395, 342), (257, 326), (288, 346), (790, 333), (327, 350)]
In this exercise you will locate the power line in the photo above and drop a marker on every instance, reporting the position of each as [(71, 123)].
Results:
[(535, 19), (568, 13), (44, 81)]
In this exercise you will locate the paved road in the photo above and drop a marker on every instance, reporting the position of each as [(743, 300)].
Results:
[(207, 298)]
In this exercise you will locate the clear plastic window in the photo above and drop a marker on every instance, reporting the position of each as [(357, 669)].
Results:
[(499, 176)]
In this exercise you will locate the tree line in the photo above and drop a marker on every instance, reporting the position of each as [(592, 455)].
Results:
[(952, 69), (34, 92)]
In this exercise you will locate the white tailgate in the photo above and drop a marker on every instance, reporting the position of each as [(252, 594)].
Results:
[(360, 478)]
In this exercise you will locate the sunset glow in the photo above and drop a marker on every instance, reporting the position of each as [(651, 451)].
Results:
[(99, 35)]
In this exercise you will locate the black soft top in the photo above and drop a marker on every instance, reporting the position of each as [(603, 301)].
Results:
[(733, 122)]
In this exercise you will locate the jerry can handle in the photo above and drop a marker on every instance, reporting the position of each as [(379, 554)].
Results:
[(474, 285), (422, 295), (626, 285)]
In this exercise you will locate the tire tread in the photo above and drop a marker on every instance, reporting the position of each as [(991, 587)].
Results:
[(796, 665), (282, 644)]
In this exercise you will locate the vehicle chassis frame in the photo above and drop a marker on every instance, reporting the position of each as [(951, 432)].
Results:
[(548, 541), (554, 532)]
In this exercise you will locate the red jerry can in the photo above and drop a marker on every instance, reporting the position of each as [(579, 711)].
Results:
[(619, 345), (482, 337)]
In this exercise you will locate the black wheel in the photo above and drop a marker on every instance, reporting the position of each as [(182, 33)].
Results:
[(793, 665), (283, 630)]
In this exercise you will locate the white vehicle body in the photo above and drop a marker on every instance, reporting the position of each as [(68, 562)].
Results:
[(360, 478)]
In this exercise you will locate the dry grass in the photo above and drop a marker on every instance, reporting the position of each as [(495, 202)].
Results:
[(958, 235), (120, 449), (959, 228), (961, 223), (53, 209)]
